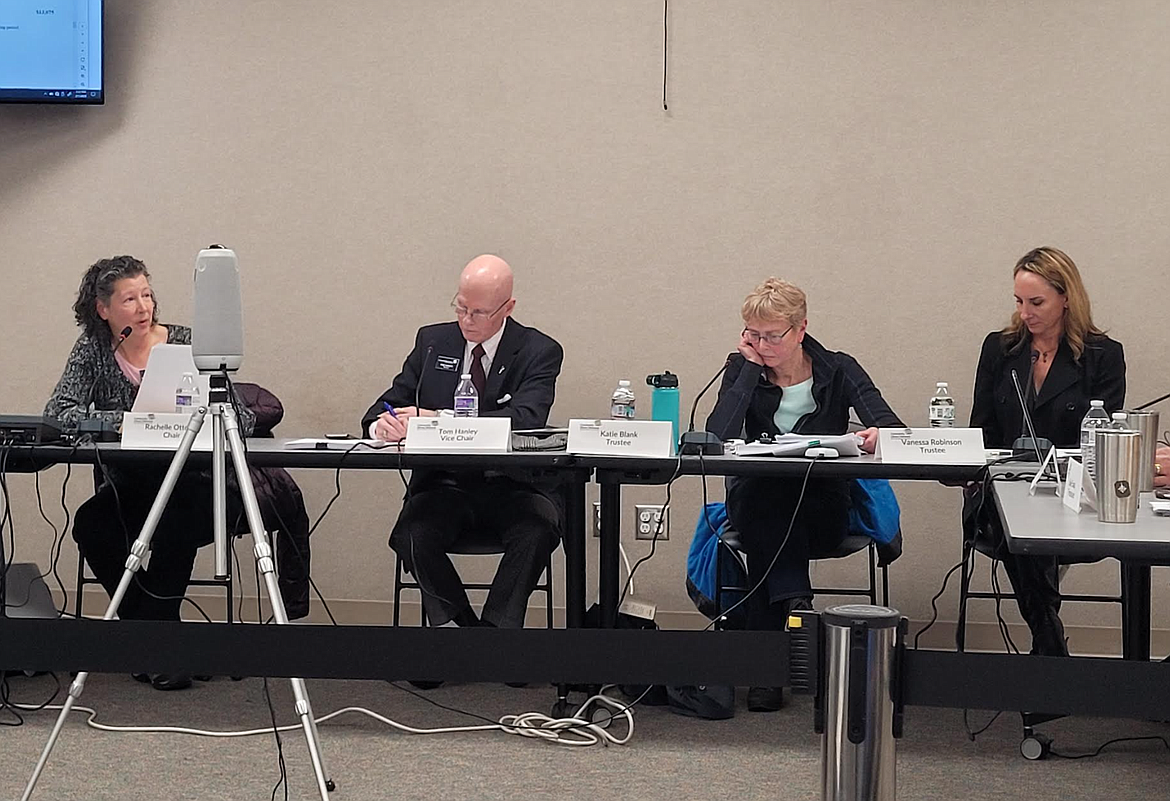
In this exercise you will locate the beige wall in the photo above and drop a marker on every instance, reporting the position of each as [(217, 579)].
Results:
[(893, 158)]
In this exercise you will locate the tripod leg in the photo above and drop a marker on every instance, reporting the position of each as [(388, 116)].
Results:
[(219, 497), (263, 551), (138, 551)]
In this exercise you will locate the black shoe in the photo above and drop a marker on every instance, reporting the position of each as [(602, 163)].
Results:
[(426, 685), (765, 699), (171, 681), (142, 677)]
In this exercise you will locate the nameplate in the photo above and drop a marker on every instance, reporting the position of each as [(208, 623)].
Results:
[(1049, 468), (1079, 492), (621, 437), (458, 435), (931, 446), (160, 431)]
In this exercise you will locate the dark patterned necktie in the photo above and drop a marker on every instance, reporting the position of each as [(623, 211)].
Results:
[(477, 376)]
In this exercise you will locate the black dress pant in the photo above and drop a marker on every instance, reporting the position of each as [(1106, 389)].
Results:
[(104, 539), (761, 510), (1035, 579), (499, 510)]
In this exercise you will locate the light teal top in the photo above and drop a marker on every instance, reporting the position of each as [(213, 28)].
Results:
[(795, 402)]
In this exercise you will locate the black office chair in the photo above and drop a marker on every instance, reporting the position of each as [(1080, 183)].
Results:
[(730, 548), (471, 547), (84, 579), (981, 545)]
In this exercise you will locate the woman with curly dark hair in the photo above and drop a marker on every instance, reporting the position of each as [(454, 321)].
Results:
[(118, 317)]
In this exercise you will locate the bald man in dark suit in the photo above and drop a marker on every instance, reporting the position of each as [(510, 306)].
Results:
[(515, 369)]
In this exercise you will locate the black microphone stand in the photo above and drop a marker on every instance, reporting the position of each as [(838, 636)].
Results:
[(702, 442)]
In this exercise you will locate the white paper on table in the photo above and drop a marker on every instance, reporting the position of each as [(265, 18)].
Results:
[(797, 444), (313, 444)]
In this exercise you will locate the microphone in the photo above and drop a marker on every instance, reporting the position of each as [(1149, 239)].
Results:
[(1025, 447), (421, 375), (1029, 389), (702, 442), (1151, 403), (217, 328), (127, 331)]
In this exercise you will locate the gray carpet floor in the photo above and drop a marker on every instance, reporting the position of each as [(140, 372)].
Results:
[(670, 757)]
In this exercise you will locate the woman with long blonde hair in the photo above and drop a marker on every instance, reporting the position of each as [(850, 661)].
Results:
[(1063, 361)]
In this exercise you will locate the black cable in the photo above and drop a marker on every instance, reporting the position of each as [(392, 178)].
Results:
[(129, 541), (971, 735), (280, 520), (665, 48), (6, 705), (6, 519), (1108, 743), (433, 702), (283, 780), (56, 558), (934, 602), (787, 534), (654, 539), (1008, 643), (613, 713)]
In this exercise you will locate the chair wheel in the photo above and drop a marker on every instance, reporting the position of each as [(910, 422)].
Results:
[(1036, 746), (561, 709), (599, 715)]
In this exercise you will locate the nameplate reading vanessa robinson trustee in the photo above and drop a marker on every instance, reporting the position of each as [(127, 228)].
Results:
[(931, 446)]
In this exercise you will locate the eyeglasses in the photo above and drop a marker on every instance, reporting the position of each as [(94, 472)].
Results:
[(475, 315), (755, 337)]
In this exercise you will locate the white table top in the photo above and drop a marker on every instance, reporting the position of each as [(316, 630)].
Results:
[(1040, 524)]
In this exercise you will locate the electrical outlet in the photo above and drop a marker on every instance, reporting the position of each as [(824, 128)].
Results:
[(646, 520), (596, 518)]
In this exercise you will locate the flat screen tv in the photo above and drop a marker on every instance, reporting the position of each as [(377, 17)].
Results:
[(51, 51)]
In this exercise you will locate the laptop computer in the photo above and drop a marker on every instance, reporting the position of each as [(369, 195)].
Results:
[(164, 373)]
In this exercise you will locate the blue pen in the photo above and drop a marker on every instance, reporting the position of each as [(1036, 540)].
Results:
[(390, 409)]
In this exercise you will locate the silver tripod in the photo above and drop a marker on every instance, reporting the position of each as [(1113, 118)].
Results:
[(225, 428)]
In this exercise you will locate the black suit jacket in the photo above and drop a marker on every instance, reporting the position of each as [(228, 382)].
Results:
[(521, 383), (1060, 405)]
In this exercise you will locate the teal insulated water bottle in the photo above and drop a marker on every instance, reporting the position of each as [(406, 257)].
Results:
[(664, 401)]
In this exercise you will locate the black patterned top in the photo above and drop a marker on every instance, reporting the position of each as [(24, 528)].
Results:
[(93, 386)]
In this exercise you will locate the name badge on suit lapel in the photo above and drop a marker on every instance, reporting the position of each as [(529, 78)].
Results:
[(448, 364)]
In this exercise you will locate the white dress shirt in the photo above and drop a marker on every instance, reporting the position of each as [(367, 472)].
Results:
[(490, 346)]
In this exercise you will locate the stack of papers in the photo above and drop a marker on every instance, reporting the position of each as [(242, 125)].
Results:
[(796, 445)]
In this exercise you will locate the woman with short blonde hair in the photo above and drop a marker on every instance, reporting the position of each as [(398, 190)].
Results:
[(778, 381)]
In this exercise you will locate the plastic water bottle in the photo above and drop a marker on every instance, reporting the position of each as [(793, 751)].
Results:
[(621, 403), (1096, 418), (186, 395), (466, 398), (1120, 421), (942, 407)]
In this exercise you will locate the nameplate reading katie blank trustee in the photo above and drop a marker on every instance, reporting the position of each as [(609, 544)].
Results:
[(621, 438)]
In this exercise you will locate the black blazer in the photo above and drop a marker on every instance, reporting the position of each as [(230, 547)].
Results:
[(521, 384), (1060, 405), (748, 401)]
